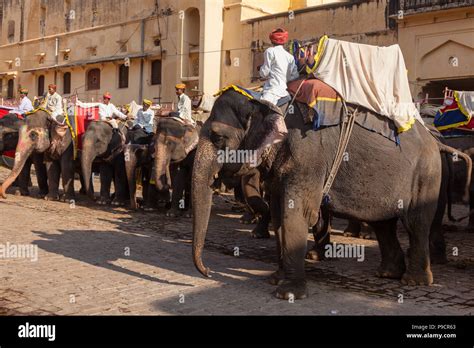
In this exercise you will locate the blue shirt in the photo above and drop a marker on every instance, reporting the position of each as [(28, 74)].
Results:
[(145, 119)]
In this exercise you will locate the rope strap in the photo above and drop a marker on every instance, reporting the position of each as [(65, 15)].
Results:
[(346, 131)]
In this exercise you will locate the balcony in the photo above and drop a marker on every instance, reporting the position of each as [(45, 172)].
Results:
[(410, 7)]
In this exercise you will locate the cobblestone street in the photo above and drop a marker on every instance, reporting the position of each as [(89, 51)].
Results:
[(94, 260)]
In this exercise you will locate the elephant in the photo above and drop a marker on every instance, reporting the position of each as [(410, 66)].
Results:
[(141, 156), (100, 143), (175, 144), (43, 135), (9, 128), (465, 145), (382, 183)]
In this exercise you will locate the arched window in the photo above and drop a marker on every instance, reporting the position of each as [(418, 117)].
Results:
[(93, 79), (40, 85), (10, 89), (123, 76), (67, 83)]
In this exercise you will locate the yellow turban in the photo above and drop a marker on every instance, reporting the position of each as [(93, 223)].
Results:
[(147, 102), (180, 86)]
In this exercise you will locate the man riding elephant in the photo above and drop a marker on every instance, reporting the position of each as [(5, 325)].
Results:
[(109, 112), (53, 102), (278, 68)]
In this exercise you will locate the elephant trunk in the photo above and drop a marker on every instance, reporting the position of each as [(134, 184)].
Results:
[(24, 149), (130, 168), (162, 165), (87, 158), (204, 169)]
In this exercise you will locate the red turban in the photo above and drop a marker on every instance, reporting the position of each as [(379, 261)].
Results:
[(279, 36), (107, 95), (53, 86)]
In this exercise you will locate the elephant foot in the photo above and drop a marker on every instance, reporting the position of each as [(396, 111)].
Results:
[(42, 194), (103, 201), (438, 259), (314, 255), (260, 233), (419, 278), (82, 191), (391, 271), (352, 234), (248, 218), (67, 198), (173, 213), (117, 202), (291, 289), (277, 277), (470, 228), (50, 197), (20, 192), (188, 214)]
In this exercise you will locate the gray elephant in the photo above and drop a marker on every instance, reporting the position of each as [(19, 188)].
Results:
[(9, 128), (465, 145), (139, 156), (382, 183), (175, 144), (44, 135), (103, 145)]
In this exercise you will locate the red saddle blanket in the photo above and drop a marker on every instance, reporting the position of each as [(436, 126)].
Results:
[(79, 116), (312, 91), (7, 156)]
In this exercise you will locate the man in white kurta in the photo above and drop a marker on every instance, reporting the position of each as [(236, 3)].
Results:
[(184, 107), (25, 103), (108, 111), (53, 102), (278, 68)]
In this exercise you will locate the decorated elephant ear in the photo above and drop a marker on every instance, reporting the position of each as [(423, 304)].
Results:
[(191, 139), (273, 129)]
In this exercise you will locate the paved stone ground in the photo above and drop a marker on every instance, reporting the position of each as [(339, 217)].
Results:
[(94, 260)]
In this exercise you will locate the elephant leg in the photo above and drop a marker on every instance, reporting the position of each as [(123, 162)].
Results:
[(23, 179), (253, 197), (353, 228), (437, 241), (278, 276), (177, 183), (321, 234), (82, 190), (150, 194), (67, 172), (122, 193), (418, 270), (53, 169), (393, 259), (294, 241), (106, 175), (41, 174), (187, 192), (470, 226)]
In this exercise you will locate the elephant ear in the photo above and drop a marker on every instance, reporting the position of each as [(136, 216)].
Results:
[(273, 129), (191, 139)]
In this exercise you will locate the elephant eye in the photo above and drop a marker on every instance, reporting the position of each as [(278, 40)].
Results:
[(217, 139)]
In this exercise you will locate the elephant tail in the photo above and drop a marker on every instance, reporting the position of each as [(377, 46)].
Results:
[(467, 159)]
